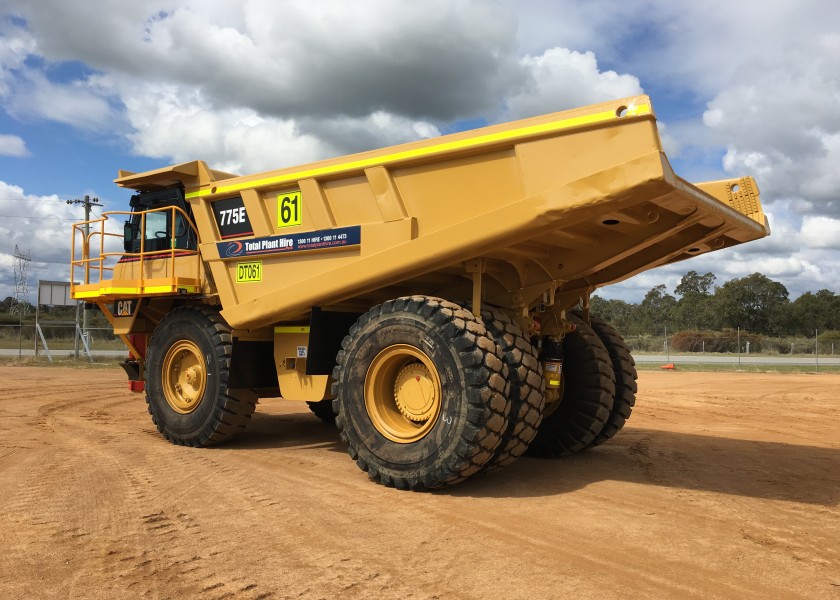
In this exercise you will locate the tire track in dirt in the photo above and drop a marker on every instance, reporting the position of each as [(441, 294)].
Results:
[(97, 505), (137, 566), (160, 548)]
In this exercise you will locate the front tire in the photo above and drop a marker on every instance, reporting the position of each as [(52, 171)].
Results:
[(187, 370), (421, 393)]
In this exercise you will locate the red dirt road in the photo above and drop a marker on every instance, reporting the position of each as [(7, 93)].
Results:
[(721, 486)]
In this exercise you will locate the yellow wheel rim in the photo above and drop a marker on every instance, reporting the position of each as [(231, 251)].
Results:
[(184, 377), (403, 393), (553, 398)]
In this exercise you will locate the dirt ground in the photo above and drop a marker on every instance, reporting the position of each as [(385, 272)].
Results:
[(721, 486)]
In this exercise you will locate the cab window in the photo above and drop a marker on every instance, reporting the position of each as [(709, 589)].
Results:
[(159, 225), (156, 227)]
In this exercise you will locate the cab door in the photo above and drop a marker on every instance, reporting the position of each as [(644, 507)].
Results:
[(160, 224)]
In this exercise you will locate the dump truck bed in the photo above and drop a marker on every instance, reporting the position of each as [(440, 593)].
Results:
[(549, 207)]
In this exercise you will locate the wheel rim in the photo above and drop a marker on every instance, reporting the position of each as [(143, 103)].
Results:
[(403, 393), (184, 377), (553, 403)]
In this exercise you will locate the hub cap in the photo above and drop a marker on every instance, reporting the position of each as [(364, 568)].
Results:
[(184, 377), (402, 393)]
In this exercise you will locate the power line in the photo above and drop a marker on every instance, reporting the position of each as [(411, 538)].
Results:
[(107, 223), (36, 218), (18, 201)]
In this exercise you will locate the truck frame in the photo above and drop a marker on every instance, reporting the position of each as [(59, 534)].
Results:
[(431, 299)]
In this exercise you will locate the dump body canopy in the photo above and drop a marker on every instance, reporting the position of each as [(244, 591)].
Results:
[(547, 208)]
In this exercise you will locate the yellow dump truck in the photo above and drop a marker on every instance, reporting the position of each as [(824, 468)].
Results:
[(431, 299)]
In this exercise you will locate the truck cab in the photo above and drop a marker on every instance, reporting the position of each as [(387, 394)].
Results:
[(156, 254), (152, 228)]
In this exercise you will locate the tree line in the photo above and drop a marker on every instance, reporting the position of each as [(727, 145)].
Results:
[(754, 303)]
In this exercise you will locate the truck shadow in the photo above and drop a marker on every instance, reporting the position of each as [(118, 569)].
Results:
[(760, 469), (291, 430)]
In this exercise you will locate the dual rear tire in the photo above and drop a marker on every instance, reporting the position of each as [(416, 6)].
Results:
[(421, 393), (428, 395), (599, 392), (624, 372)]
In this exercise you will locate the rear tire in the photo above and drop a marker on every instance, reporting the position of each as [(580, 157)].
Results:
[(187, 371), (624, 369), (421, 393), (527, 387), (588, 390), (323, 410)]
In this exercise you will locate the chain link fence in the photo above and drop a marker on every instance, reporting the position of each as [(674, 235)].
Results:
[(734, 341), (58, 336)]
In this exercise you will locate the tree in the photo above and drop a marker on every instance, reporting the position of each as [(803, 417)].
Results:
[(692, 283), (618, 313), (658, 306), (756, 303), (815, 311), (694, 309)]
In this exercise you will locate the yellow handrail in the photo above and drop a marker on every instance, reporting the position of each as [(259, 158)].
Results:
[(95, 266)]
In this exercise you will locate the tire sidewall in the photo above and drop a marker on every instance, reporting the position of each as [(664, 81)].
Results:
[(374, 336), (181, 427)]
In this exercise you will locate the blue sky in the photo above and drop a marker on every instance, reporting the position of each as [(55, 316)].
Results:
[(739, 88)]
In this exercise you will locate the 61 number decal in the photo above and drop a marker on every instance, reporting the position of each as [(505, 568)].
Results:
[(289, 209)]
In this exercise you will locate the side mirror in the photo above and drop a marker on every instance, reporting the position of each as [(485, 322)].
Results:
[(130, 231)]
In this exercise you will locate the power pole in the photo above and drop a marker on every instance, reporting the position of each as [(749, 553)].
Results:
[(88, 202), (20, 302)]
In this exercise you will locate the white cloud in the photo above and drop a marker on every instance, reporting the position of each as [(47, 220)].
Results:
[(693, 47), (825, 178), (262, 84), (562, 78), (12, 145), (27, 92), (670, 143), (39, 225), (78, 103), (180, 127), (177, 125), (781, 119), (770, 73), (16, 44), (434, 59), (821, 232)]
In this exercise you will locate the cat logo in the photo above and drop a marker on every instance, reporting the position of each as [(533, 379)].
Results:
[(124, 308)]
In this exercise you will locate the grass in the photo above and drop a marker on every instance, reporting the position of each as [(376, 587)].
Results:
[(733, 368), (9, 343), (31, 361), (733, 354)]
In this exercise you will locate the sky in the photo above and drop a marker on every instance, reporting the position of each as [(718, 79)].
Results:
[(739, 88)]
